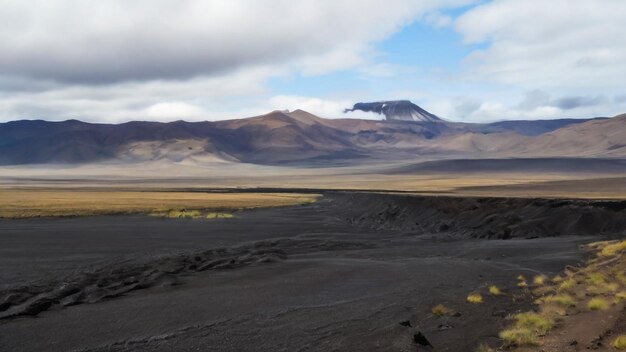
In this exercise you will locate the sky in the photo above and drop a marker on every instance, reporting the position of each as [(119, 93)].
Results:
[(163, 60)]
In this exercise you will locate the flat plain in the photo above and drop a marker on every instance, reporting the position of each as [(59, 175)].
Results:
[(45, 202), (315, 259)]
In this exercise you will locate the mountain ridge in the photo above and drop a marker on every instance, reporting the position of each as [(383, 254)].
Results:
[(298, 136)]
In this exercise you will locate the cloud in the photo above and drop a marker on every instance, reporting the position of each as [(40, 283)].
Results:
[(438, 20), (568, 103), (533, 105), (539, 98), (168, 111), (385, 70), (576, 44), (95, 42), (465, 107), (114, 60), (225, 96), (327, 108)]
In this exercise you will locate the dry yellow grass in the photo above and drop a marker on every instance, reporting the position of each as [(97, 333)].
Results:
[(539, 280), (600, 285), (441, 310), (27, 203), (475, 298), (495, 291), (620, 342), (597, 303)]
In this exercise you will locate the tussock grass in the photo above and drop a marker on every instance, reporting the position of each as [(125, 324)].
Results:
[(521, 281), (603, 289), (566, 284), (441, 310), (519, 337), (526, 330), (557, 279), (562, 300), (603, 278), (595, 278), (495, 291), (475, 298), (539, 280), (620, 342), (597, 303), (533, 321)]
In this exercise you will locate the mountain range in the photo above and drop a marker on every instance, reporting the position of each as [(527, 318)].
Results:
[(298, 137)]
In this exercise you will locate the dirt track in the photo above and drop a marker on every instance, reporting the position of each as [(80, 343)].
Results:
[(313, 277)]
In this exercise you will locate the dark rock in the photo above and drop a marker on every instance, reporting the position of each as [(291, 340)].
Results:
[(421, 340)]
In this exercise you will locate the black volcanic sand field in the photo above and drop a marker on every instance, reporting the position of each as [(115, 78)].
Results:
[(352, 272)]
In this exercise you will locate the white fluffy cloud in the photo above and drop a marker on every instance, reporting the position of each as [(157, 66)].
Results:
[(117, 60), (578, 44), (328, 108), (562, 58), (119, 40)]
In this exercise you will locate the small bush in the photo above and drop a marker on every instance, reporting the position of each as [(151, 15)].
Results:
[(597, 303), (475, 298), (620, 342), (533, 321), (441, 310), (494, 290), (557, 279), (562, 300), (539, 280), (620, 296), (519, 337), (567, 284)]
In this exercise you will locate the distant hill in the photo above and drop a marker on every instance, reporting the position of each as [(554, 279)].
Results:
[(602, 137), (300, 137)]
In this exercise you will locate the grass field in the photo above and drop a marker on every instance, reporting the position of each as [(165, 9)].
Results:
[(28, 203)]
